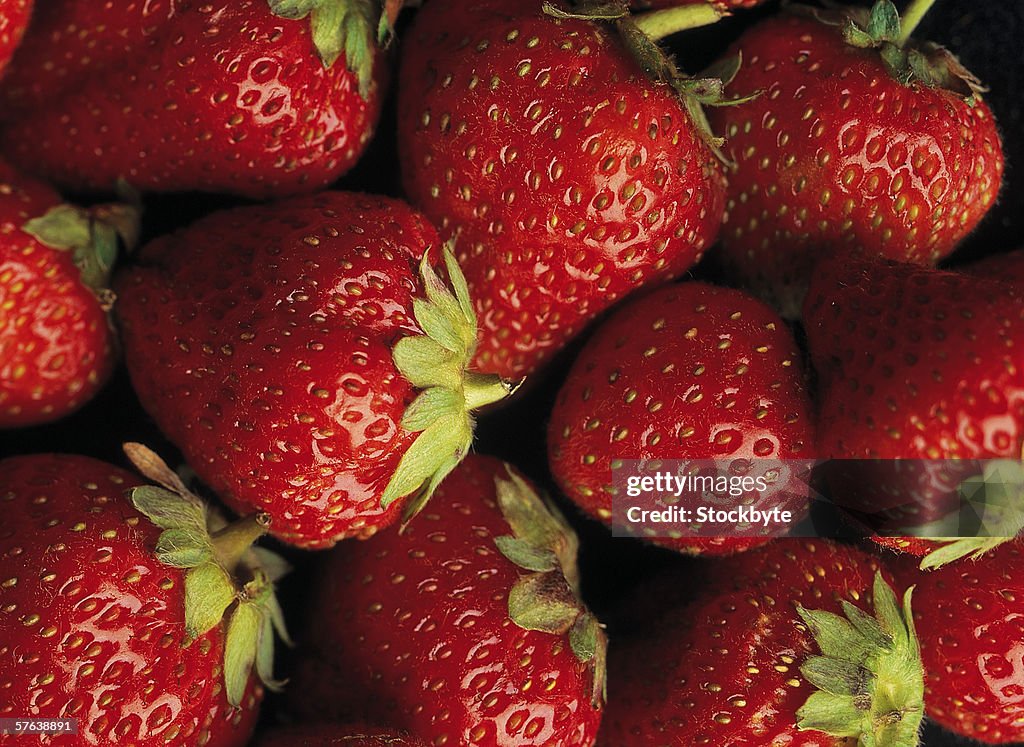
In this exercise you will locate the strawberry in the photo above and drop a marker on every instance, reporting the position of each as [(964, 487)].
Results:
[(332, 735), (970, 617), (690, 372), (244, 97), (14, 15), (106, 619), (465, 629), (749, 664), (56, 347), (861, 138), (569, 177), (281, 349), (920, 375)]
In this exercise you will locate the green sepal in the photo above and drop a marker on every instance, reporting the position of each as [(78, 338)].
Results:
[(218, 556), (589, 11), (590, 645), (92, 236), (240, 646), (180, 548), (548, 599), (995, 499), (169, 510), (424, 363), (544, 602), (438, 363), (348, 28), (445, 439), (208, 593), (908, 62), (526, 555), (869, 680)]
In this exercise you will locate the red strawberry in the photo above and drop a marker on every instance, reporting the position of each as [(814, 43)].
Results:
[(970, 617), (748, 665), (466, 629), (14, 16), (108, 620), (236, 97), (334, 735), (918, 366), (569, 177), (264, 341), (56, 347), (690, 372), (861, 138)]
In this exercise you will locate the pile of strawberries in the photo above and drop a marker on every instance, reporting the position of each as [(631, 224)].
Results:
[(327, 260)]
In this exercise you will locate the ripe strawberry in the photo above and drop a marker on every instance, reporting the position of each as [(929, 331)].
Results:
[(108, 620), (861, 138), (465, 629), (14, 16), (56, 347), (970, 616), (238, 97), (748, 664), (333, 735), (569, 177), (690, 372), (920, 375), (280, 348)]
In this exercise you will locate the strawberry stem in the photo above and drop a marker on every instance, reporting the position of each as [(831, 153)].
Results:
[(663, 23), (485, 389), (232, 542), (912, 17)]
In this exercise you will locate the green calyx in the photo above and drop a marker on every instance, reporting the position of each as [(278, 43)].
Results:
[(992, 507), (227, 580), (869, 677), (92, 235), (438, 363), (548, 598), (926, 63), (352, 29), (640, 34)]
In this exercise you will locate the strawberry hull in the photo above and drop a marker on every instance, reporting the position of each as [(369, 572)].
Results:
[(92, 624)]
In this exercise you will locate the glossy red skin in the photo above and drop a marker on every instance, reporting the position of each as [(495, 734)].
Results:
[(914, 364), (970, 620), (70, 39), (260, 339), (222, 97), (1008, 267), (80, 638), (56, 346), (413, 630), (835, 142), (638, 374), (14, 15), (636, 210), (688, 682), (335, 735)]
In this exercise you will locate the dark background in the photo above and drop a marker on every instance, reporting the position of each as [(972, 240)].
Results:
[(986, 34)]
